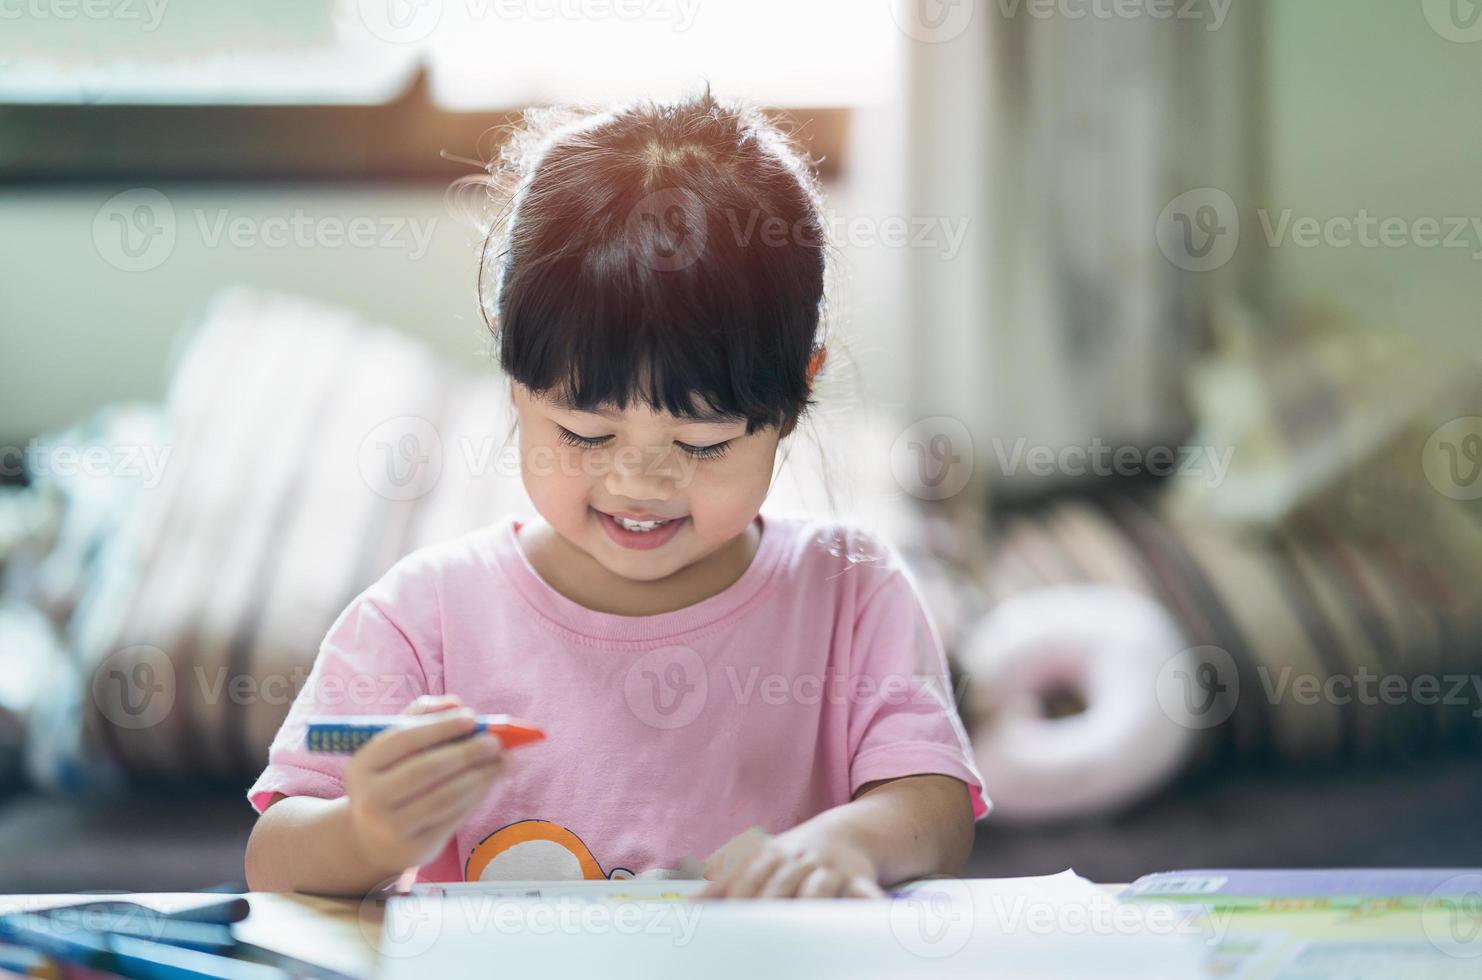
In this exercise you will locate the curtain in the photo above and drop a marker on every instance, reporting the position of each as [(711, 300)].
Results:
[(1082, 148)]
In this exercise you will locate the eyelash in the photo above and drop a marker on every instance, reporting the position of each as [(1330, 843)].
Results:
[(581, 442), (705, 452), (695, 452)]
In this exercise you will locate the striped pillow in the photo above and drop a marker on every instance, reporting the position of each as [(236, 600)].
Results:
[(1325, 596), (309, 451)]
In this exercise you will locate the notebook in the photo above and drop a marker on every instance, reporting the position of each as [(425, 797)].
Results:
[(1053, 926)]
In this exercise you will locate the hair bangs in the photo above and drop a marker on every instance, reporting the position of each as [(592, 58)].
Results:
[(609, 328)]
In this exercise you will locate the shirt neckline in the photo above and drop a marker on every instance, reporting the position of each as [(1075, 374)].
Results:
[(570, 616)]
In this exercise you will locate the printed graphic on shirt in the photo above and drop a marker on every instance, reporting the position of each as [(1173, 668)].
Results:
[(535, 850)]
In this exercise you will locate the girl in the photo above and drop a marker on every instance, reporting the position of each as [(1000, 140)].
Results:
[(700, 668)]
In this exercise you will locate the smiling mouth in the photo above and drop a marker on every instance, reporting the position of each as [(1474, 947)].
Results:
[(641, 532), (640, 525)]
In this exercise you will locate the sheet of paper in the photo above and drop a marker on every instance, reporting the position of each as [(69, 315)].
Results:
[(621, 890), (1059, 925)]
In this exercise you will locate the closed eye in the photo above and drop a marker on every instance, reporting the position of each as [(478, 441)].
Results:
[(715, 451), (584, 442)]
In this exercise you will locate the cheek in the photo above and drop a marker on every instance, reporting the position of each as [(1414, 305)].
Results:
[(553, 478), (725, 497)]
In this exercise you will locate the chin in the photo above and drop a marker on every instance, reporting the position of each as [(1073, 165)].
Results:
[(637, 568), (644, 575), (633, 565)]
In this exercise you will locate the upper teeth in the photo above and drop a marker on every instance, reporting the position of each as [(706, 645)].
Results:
[(639, 525)]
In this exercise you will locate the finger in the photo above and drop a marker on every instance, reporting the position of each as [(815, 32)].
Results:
[(721, 879), (427, 770), (451, 798), (428, 703), (749, 882), (861, 887), (785, 881), (443, 824), (822, 883), (734, 853), (716, 886), (388, 748)]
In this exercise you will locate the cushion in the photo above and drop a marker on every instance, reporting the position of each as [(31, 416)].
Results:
[(1322, 597), (308, 450)]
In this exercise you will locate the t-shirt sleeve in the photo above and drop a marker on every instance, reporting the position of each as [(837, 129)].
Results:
[(368, 664), (903, 718)]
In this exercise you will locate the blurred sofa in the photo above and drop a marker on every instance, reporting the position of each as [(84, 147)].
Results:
[(301, 450), (1423, 814)]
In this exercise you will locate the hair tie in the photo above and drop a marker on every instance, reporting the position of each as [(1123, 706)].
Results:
[(816, 362)]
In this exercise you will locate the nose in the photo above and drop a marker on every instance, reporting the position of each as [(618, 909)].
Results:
[(640, 476)]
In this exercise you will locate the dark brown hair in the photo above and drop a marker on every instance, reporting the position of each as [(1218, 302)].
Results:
[(671, 253)]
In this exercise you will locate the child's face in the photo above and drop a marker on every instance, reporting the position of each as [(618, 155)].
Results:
[(583, 470)]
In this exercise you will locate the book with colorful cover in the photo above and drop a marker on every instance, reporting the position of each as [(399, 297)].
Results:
[(1295, 890), (1381, 923)]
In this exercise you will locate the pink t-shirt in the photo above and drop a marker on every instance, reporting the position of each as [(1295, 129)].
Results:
[(816, 672)]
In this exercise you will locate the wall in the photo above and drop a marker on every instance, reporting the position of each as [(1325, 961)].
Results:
[(1372, 108), (77, 331)]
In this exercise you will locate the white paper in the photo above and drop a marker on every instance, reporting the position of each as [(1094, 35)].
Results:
[(1058, 925)]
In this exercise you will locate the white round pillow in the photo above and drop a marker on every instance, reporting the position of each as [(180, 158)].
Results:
[(1049, 652)]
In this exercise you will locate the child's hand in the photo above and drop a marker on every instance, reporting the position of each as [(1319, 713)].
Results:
[(410, 788), (801, 863)]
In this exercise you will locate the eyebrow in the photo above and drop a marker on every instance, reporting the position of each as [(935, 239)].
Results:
[(707, 417)]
